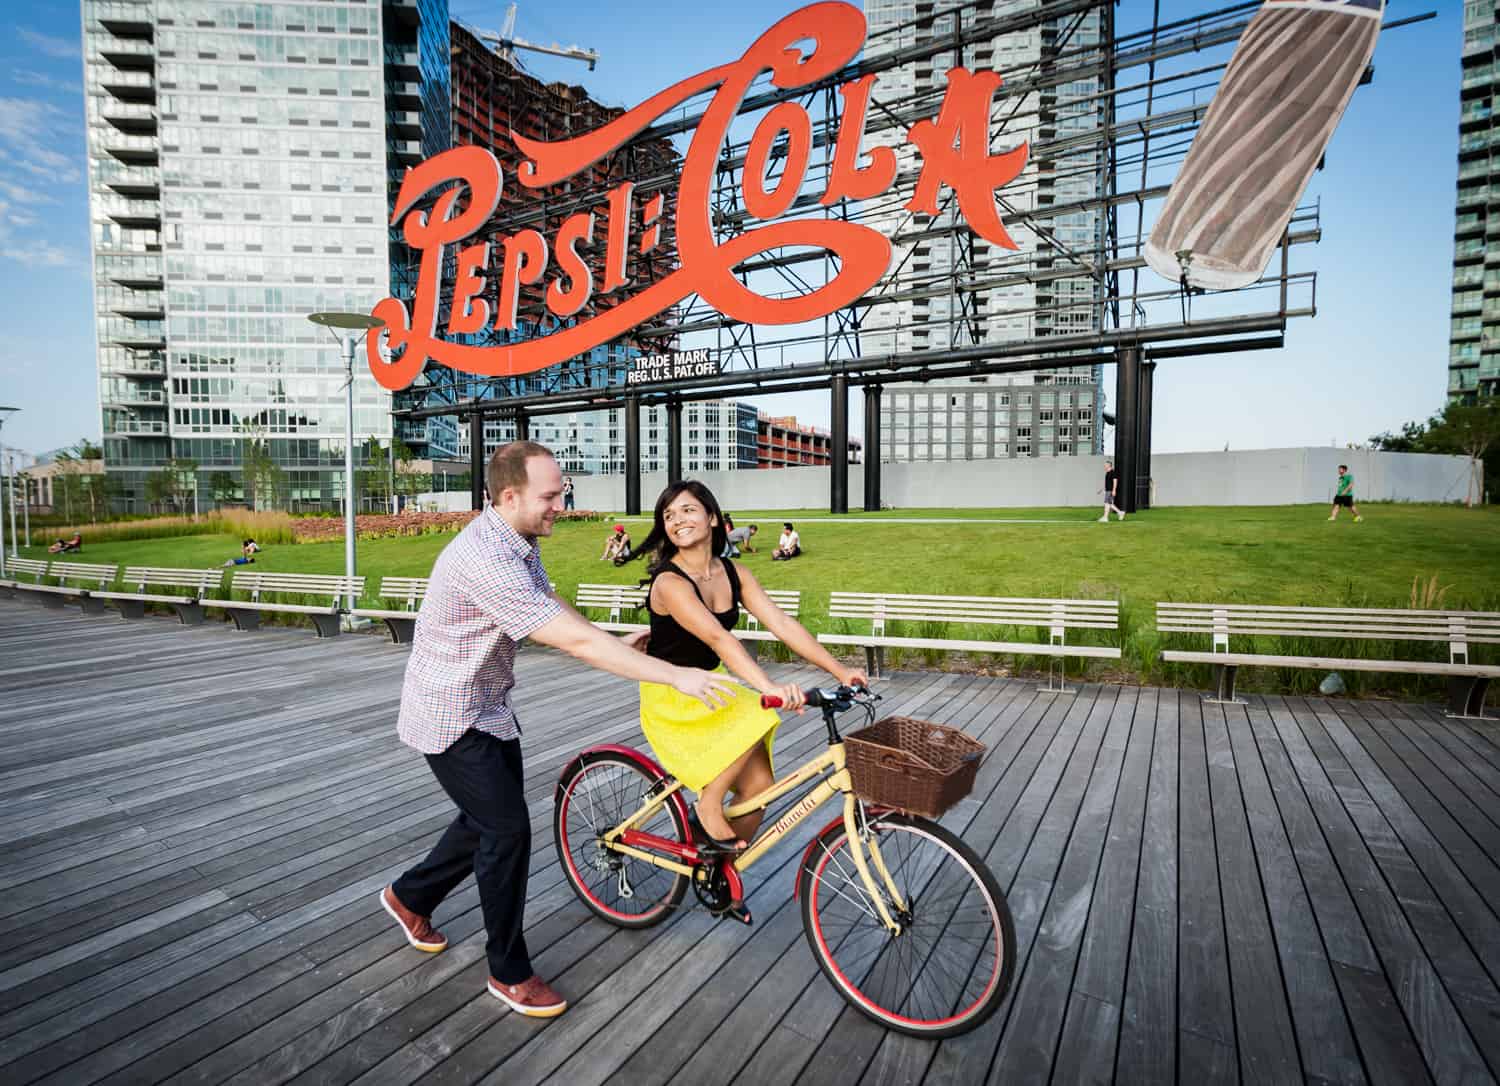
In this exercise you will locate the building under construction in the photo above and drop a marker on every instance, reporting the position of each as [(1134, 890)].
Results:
[(493, 97)]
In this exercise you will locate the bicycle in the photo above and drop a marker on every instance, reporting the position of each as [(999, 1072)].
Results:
[(903, 918)]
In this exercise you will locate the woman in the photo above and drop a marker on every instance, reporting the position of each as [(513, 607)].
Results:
[(694, 603)]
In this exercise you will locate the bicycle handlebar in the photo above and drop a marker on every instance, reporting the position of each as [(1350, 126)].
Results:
[(818, 698)]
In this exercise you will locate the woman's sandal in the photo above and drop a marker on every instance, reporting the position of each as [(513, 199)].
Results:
[(730, 846)]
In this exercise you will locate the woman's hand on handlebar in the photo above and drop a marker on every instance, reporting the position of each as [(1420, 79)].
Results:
[(789, 696), (853, 676)]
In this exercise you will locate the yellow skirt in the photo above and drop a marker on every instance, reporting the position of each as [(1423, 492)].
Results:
[(695, 743)]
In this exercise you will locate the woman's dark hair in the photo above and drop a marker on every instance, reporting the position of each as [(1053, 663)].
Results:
[(788, 525), (247, 542), (659, 546)]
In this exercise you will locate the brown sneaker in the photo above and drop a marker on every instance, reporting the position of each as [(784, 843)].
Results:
[(418, 930), (533, 998)]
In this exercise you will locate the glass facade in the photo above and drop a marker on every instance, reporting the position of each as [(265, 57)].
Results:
[(1474, 335), (240, 156), (930, 315)]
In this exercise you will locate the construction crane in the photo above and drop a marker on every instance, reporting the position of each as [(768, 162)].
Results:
[(506, 43)]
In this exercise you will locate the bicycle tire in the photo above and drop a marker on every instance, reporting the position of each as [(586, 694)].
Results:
[(594, 872), (954, 899)]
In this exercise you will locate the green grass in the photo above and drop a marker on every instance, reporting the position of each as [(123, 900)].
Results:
[(1275, 555)]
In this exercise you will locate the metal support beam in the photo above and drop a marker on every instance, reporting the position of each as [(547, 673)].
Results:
[(476, 461), (1143, 437), (838, 446), (1127, 413), (674, 440), (632, 410), (872, 448), (523, 426)]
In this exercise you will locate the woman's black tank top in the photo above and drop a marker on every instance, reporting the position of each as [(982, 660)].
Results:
[(676, 645)]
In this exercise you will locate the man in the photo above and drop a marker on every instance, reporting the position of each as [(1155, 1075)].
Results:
[(739, 540), (1111, 492), (1344, 495), (487, 593), (567, 492)]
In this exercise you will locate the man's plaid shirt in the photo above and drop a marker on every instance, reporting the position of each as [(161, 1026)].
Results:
[(488, 591)]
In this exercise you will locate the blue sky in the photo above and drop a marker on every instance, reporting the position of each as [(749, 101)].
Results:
[(1375, 356)]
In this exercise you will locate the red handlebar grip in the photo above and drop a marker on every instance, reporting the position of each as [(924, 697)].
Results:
[(770, 701)]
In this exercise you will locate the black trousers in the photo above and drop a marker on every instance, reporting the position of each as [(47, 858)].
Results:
[(490, 837)]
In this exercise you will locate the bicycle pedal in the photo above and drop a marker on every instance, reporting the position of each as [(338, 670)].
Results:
[(739, 912)]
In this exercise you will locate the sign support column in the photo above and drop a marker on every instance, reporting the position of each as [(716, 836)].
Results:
[(632, 410), (523, 426), (872, 448), (1143, 437), (476, 461), (674, 441), (838, 446), (1127, 421)]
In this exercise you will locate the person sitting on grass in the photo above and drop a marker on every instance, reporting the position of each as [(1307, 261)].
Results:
[(67, 546), (248, 550), (789, 545), (694, 602), (617, 546)]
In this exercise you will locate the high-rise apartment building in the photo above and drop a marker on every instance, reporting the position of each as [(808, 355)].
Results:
[(937, 256), (1474, 337), (240, 161)]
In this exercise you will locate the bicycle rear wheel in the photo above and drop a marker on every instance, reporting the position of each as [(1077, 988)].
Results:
[(953, 962), (601, 790)]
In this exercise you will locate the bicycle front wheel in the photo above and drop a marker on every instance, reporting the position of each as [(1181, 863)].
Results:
[(953, 960), (601, 791)]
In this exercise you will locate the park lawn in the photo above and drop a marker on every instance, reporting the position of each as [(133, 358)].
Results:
[(1271, 554)]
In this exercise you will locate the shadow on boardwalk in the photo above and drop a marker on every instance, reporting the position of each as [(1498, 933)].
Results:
[(194, 824)]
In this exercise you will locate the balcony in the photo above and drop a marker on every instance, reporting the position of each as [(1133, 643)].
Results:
[(138, 271), (132, 214), (402, 62), (143, 339), (132, 150), (135, 427), (141, 305), (129, 86), (129, 54), (125, 20), (141, 365), (154, 397), (140, 181), (407, 151), (132, 118), (404, 123), (404, 95), (403, 14)]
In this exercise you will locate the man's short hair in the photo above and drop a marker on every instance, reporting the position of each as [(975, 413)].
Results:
[(1343, 467), (507, 466)]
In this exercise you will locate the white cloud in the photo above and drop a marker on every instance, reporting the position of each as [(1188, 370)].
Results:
[(29, 130), (51, 46), (41, 79), (36, 251)]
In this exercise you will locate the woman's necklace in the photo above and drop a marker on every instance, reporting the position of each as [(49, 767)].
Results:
[(704, 577)]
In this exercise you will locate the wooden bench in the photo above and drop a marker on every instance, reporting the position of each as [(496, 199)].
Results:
[(616, 599), (1467, 682), (325, 617), (189, 606), (1057, 616), (401, 623), (35, 568), (788, 599), (87, 578)]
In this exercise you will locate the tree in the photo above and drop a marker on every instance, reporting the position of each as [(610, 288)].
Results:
[(262, 476), (80, 488), (410, 481), (375, 477), (1472, 430), (223, 487)]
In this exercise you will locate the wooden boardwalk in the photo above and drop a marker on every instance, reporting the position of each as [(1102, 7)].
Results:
[(194, 825)]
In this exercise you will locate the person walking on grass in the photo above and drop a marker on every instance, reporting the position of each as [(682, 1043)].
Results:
[(1344, 495), (489, 592), (1111, 492)]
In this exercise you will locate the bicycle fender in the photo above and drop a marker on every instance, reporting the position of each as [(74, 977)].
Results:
[(654, 771)]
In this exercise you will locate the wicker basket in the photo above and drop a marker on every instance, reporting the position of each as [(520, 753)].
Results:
[(913, 765)]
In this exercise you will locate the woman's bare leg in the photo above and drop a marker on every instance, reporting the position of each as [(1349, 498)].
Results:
[(711, 800), (754, 778)]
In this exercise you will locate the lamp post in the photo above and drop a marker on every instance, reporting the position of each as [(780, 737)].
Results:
[(5, 413), (343, 327)]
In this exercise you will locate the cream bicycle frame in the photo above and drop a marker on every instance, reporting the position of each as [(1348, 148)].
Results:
[(836, 783)]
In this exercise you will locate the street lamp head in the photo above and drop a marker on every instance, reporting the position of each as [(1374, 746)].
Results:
[(349, 322)]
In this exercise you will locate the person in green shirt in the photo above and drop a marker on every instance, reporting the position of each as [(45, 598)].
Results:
[(1344, 495)]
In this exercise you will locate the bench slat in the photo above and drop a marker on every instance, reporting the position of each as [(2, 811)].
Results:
[(1020, 648), (1330, 663)]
